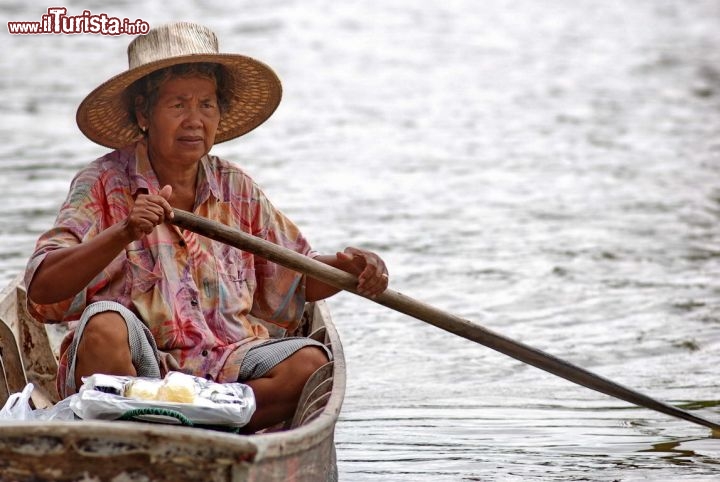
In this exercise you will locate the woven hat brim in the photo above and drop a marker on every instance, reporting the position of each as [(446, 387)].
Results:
[(103, 118)]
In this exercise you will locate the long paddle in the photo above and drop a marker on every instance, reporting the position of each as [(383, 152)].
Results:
[(424, 312)]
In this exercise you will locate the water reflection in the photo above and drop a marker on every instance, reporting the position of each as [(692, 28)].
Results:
[(689, 451)]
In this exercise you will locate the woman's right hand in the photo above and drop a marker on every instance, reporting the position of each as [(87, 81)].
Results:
[(67, 271), (148, 211)]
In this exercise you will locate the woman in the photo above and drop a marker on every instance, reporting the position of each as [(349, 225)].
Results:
[(150, 297)]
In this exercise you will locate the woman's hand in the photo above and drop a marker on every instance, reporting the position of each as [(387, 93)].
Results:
[(148, 211), (367, 266), (370, 269)]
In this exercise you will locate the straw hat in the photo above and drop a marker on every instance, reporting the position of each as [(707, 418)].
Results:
[(103, 118)]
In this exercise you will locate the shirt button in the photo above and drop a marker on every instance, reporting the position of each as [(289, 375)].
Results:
[(204, 353), (194, 302)]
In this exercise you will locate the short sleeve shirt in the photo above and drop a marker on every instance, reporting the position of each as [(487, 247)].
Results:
[(201, 299)]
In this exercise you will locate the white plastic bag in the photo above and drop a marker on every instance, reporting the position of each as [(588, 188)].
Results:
[(59, 411), (18, 406)]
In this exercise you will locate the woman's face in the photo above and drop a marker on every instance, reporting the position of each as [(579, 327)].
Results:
[(183, 122)]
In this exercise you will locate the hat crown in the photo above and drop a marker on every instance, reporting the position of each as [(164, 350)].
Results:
[(171, 40)]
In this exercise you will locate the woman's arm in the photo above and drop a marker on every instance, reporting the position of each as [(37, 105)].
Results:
[(367, 266), (66, 271)]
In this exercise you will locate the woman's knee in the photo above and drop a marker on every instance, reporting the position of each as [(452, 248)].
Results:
[(310, 358), (298, 367), (106, 331), (103, 348), (105, 337)]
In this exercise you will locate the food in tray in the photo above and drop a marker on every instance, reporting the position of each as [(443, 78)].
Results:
[(201, 401), (177, 387), (142, 389)]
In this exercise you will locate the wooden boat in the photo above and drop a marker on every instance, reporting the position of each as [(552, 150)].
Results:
[(302, 450)]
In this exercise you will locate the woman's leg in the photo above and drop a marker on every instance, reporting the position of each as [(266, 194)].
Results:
[(104, 348), (109, 339), (278, 391)]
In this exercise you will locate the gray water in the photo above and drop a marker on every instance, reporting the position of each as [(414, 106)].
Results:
[(545, 169)]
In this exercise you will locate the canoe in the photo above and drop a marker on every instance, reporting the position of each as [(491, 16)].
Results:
[(301, 450)]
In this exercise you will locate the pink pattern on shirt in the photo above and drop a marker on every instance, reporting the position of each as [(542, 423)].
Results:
[(194, 294)]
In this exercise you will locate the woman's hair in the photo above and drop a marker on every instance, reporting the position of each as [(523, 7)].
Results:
[(142, 95)]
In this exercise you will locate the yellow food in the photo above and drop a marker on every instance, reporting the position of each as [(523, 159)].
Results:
[(177, 387), (143, 389)]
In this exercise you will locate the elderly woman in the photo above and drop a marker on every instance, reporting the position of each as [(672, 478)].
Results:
[(148, 296)]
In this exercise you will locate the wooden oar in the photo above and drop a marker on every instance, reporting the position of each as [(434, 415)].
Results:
[(429, 314)]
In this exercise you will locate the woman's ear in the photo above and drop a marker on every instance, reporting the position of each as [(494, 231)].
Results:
[(140, 107)]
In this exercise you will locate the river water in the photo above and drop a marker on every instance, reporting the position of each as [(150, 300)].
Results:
[(545, 169)]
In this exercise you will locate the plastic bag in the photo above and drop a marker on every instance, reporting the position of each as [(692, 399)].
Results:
[(59, 411), (17, 408), (200, 401)]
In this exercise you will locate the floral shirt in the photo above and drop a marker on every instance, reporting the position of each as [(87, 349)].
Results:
[(202, 300)]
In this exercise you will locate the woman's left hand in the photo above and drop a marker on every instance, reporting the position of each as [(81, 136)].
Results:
[(370, 269)]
